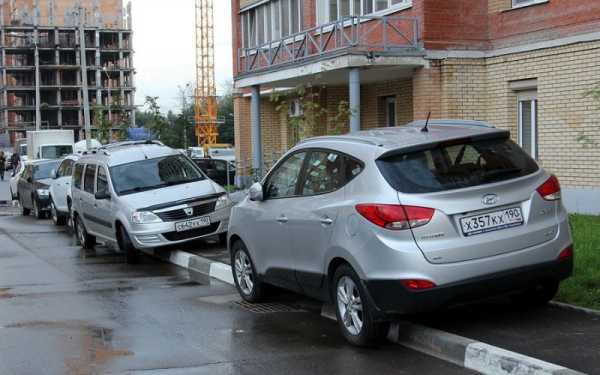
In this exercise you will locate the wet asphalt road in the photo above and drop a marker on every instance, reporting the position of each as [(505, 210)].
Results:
[(68, 311)]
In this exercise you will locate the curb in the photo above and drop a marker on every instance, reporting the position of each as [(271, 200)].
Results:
[(462, 351), (566, 306), (201, 265)]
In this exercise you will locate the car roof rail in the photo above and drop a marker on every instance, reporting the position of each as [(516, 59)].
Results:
[(450, 122), (344, 138)]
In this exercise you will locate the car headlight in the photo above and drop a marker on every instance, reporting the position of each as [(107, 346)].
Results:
[(222, 202), (144, 217), (43, 192)]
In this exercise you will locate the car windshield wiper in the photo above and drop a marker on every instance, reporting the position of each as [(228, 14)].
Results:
[(139, 189)]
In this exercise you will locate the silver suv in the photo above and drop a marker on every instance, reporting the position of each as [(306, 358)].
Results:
[(396, 221), (144, 195)]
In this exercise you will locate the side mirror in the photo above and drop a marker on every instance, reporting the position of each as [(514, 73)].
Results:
[(54, 174), (102, 195), (256, 192)]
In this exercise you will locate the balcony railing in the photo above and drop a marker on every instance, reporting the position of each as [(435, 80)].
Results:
[(377, 34)]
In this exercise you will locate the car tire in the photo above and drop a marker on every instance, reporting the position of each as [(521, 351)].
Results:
[(86, 240), (24, 211), (246, 280), (353, 309), (126, 246), (39, 214), (57, 218), (540, 296)]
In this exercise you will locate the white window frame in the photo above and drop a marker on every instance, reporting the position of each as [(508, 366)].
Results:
[(516, 5), (522, 97), (323, 16)]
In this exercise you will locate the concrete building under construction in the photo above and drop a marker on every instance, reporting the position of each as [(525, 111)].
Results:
[(44, 75)]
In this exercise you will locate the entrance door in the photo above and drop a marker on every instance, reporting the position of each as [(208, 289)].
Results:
[(527, 102), (390, 111)]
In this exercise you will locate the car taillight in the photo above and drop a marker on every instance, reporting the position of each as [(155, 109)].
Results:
[(566, 253), (395, 216), (417, 284), (550, 190)]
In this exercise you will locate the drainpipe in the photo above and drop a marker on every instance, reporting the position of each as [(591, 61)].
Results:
[(256, 132)]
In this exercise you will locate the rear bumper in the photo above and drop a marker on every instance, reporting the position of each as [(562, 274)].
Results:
[(390, 297)]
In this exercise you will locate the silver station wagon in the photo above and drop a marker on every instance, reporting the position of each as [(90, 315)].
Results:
[(395, 221), (144, 195)]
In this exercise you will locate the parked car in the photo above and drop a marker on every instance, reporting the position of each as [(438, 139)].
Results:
[(60, 190), (222, 153), (196, 152), (396, 221), (217, 170), (33, 188), (14, 181), (144, 195)]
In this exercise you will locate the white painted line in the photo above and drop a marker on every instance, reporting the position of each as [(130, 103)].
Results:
[(222, 272), (566, 306)]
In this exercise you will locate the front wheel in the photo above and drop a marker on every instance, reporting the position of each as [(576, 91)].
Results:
[(126, 246), (353, 310), (57, 218), (246, 280), (24, 211), (86, 240)]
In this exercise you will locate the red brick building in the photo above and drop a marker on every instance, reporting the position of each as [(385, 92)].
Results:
[(522, 65)]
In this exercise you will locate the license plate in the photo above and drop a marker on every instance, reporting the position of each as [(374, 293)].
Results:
[(200, 222), (491, 221)]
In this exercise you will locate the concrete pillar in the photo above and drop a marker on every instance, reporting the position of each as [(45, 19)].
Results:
[(256, 137), (354, 88)]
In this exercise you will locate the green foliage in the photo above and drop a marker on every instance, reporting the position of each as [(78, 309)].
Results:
[(102, 124), (307, 123), (157, 124), (225, 114)]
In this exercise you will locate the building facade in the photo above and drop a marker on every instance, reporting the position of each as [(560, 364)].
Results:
[(44, 72), (522, 65)]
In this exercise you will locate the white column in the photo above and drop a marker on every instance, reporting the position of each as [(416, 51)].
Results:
[(354, 87), (256, 131)]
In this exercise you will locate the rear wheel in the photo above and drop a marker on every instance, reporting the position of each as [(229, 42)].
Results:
[(354, 312), (539, 296), (126, 246), (37, 212), (246, 280), (86, 240)]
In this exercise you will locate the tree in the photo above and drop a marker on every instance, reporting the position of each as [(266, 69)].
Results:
[(225, 114), (102, 124), (157, 123)]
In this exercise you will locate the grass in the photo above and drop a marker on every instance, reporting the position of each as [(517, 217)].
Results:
[(583, 288)]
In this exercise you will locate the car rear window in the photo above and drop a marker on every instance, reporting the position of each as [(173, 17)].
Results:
[(456, 164)]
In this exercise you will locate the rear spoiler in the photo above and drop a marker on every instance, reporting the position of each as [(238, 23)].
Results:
[(500, 134)]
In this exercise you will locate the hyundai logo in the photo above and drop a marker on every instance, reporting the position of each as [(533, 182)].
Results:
[(188, 211), (489, 199)]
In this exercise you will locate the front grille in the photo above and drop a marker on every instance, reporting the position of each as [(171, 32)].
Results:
[(180, 214), (179, 236)]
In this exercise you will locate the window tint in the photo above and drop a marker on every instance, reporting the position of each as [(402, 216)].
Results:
[(88, 183), (77, 176), (101, 180), (66, 168), (324, 173), (456, 164), (282, 182), (352, 168)]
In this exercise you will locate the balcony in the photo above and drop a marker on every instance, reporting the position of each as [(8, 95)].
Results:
[(367, 35)]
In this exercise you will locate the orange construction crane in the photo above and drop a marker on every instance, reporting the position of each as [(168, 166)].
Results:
[(205, 108)]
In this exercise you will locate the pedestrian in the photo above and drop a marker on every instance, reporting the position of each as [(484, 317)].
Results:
[(2, 165), (15, 160)]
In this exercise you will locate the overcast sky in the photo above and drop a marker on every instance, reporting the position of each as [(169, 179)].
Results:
[(164, 45)]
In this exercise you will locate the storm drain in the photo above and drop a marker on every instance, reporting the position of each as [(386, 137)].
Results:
[(267, 308)]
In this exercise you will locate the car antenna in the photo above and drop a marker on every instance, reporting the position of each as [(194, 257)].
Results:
[(425, 129)]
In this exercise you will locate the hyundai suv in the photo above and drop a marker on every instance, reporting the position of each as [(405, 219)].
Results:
[(396, 221), (144, 195)]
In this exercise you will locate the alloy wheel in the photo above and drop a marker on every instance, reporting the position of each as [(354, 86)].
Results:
[(54, 213), (80, 232), (243, 272), (36, 211), (350, 305)]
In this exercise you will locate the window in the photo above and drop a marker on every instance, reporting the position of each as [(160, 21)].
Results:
[(333, 10), (42, 171), (523, 3), (271, 21), (101, 181), (324, 173), (283, 181), (88, 180), (456, 164), (65, 169), (77, 176), (527, 109)]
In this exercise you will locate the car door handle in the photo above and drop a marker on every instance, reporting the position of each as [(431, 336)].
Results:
[(326, 221), (282, 219)]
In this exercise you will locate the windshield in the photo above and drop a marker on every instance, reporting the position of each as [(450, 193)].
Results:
[(44, 170), (456, 164), (154, 174), (56, 152)]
